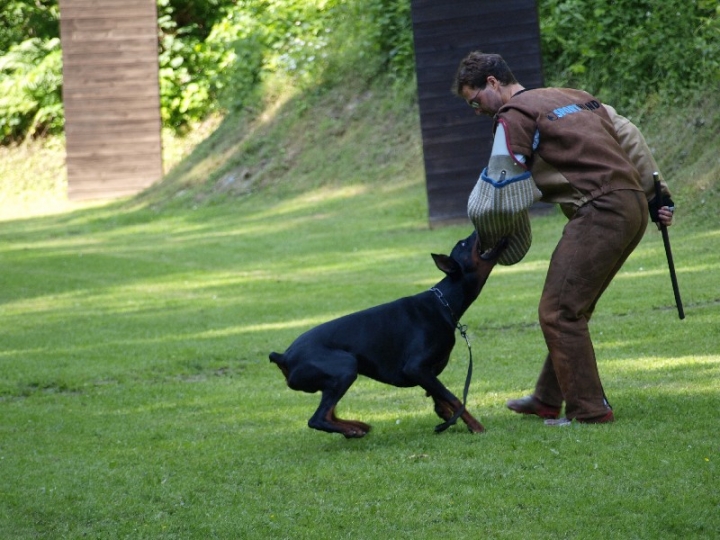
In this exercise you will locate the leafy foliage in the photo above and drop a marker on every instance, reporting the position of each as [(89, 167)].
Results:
[(625, 50), (30, 69), (21, 20), (393, 35), (214, 54), (219, 54), (259, 38), (30, 85), (310, 42), (185, 68)]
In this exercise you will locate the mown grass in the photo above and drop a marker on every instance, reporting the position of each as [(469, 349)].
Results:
[(138, 401)]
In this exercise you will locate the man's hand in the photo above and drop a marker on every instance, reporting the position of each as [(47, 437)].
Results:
[(665, 215)]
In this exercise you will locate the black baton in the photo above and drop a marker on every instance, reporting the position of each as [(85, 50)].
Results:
[(668, 251)]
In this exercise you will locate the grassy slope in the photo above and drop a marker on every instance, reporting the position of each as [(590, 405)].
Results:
[(33, 179), (137, 400)]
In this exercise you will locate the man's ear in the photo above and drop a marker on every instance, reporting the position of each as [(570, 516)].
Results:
[(446, 264)]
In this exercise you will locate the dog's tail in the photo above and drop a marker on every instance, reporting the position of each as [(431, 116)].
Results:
[(279, 359)]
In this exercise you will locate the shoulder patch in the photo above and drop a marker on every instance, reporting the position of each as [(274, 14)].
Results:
[(566, 110)]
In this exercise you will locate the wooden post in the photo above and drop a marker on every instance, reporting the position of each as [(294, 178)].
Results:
[(111, 96), (456, 143)]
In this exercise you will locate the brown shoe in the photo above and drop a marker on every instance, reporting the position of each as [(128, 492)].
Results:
[(532, 405), (602, 419)]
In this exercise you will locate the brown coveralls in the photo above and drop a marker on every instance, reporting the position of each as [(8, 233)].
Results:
[(588, 159)]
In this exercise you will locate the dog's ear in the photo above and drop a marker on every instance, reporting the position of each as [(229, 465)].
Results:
[(445, 263)]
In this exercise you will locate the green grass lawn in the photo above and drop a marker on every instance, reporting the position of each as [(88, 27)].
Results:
[(137, 399)]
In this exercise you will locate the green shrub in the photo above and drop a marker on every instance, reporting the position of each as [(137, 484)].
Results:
[(391, 32), (21, 20), (258, 38), (185, 69), (312, 43), (215, 54), (30, 90), (625, 50)]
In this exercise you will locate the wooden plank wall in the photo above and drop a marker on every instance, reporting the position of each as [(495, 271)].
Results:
[(456, 143), (111, 96)]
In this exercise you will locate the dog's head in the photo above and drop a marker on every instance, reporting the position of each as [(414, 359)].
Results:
[(468, 257)]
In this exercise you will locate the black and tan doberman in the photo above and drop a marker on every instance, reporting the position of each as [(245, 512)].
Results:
[(403, 343)]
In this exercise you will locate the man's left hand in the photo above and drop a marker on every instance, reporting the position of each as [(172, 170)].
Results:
[(665, 215)]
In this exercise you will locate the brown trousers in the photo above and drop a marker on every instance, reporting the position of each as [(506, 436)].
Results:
[(594, 245)]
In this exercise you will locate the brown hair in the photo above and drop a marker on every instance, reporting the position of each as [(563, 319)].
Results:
[(476, 67)]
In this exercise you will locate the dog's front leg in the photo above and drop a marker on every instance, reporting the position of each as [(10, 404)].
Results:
[(442, 408), (446, 409), (446, 404)]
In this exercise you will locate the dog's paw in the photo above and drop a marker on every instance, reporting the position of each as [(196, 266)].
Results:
[(355, 433), (476, 427)]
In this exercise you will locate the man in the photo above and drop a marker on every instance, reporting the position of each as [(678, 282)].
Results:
[(596, 165)]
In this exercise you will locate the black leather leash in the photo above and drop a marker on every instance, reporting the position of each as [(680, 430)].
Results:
[(463, 332)]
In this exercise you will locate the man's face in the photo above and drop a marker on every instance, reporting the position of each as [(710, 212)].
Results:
[(486, 101)]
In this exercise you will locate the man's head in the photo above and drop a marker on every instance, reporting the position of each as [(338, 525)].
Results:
[(482, 80), (476, 67)]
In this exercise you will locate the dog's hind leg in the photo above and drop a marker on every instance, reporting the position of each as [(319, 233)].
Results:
[(324, 418), (356, 423)]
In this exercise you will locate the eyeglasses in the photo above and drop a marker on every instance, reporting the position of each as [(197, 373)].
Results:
[(472, 101)]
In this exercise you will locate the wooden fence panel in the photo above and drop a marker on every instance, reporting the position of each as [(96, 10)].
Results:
[(111, 96), (456, 143)]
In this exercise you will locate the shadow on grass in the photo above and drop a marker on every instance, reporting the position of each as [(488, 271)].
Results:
[(101, 292)]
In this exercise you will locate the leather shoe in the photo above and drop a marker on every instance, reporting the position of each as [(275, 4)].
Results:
[(532, 405)]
